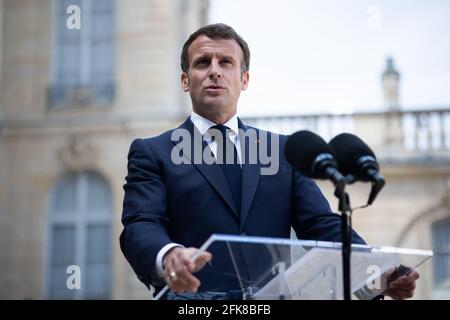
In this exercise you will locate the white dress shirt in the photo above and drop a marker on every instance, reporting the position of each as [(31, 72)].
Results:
[(202, 124)]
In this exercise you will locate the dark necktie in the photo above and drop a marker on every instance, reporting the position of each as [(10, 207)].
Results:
[(229, 165)]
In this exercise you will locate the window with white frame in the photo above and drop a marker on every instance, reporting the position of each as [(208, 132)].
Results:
[(441, 250), (79, 234), (83, 58)]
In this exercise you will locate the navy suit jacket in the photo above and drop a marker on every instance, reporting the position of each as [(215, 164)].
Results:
[(187, 203)]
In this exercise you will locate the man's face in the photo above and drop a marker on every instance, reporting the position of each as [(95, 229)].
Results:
[(215, 77)]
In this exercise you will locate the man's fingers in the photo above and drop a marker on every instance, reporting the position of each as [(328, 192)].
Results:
[(192, 283), (390, 271), (400, 292), (178, 274), (403, 287), (411, 277), (179, 266), (183, 281), (414, 275), (403, 283), (201, 260), (186, 279), (406, 282), (177, 287), (185, 258), (180, 263), (184, 284)]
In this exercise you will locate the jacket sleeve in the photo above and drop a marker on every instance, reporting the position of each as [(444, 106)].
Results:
[(144, 214), (312, 215)]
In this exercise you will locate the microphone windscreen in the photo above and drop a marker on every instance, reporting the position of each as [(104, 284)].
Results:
[(302, 148), (348, 148)]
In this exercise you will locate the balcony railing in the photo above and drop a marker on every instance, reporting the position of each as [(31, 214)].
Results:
[(423, 131)]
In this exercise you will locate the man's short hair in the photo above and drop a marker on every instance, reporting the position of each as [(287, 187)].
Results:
[(216, 31)]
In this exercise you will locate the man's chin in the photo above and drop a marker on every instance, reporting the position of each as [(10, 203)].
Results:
[(214, 108), (214, 103)]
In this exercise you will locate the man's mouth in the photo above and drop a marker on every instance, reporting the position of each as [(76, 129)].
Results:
[(214, 87)]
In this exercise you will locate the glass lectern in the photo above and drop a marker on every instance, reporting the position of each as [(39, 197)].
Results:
[(275, 268)]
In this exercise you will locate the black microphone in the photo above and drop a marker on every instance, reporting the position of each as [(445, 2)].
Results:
[(358, 162), (312, 156)]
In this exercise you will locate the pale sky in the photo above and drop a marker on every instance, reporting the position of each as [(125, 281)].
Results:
[(328, 56)]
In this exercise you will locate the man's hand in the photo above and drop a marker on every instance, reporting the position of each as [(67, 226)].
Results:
[(179, 266), (403, 287)]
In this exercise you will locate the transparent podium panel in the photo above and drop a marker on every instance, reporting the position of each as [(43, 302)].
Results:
[(274, 268)]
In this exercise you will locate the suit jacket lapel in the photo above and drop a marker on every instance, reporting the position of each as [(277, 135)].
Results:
[(212, 173), (250, 171)]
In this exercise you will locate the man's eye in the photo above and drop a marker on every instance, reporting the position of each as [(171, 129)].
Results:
[(226, 61), (202, 62)]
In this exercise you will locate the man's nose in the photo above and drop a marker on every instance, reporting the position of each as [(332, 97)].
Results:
[(215, 71)]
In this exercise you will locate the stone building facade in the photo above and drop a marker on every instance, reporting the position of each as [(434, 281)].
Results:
[(67, 156), (71, 102)]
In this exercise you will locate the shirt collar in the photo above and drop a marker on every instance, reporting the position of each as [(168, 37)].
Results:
[(202, 124)]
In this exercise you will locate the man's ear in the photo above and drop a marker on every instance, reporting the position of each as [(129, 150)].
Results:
[(244, 81), (185, 82)]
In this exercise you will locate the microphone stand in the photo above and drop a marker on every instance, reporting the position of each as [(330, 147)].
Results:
[(346, 237), (346, 224)]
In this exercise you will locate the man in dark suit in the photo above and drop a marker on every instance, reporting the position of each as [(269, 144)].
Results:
[(173, 202)]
